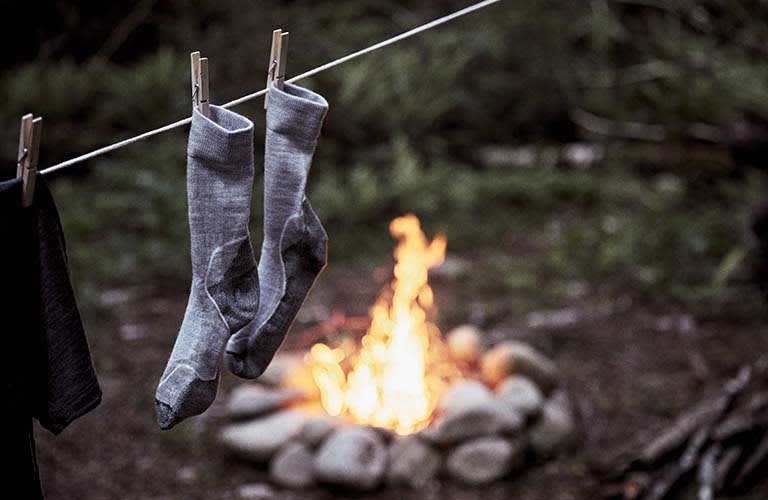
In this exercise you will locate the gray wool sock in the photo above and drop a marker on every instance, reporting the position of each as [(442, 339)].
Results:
[(225, 284), (294, 249)]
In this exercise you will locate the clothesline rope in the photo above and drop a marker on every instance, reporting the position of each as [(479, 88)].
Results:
[(246, 98)]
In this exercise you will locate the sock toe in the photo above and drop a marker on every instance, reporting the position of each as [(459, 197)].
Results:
[(164, 415), (183, 394)]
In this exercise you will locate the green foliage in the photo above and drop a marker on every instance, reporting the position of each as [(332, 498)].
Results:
[(89, 105)]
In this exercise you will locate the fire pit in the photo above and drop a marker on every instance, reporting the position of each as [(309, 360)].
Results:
[(403, 405)]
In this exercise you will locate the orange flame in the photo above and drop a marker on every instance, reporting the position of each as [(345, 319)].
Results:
[(402, 366)]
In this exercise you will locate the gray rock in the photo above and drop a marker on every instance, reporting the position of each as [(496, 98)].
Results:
[(281, 366), (516, 358), (482, 419), (485, 459), (556, 429), (462, 395), (293, 466), (258, 440), (412, 462), (256, 491), (317, 428), (355, 457), (520, 395), (253, 400), (387, 435), (464, 343)]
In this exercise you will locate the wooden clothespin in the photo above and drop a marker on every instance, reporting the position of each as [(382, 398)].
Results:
[(29, 151), (277, 61), (199, 83)]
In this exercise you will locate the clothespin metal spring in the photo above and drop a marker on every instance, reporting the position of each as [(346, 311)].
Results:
[(277, 62)]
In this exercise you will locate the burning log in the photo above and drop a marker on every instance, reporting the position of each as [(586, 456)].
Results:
[(719, 446)]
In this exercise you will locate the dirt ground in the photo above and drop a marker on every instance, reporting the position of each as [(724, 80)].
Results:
[(628, 374)]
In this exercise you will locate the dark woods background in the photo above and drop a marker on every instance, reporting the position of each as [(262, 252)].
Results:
[(572, 151), (670, 94)]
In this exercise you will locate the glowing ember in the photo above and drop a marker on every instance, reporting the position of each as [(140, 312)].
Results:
[(402, 366)]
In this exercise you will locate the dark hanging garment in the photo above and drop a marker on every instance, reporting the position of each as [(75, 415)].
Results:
[(46, 364), (21, 344), (70, 388)]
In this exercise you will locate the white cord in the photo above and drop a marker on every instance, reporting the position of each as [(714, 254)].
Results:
[(341, 60)]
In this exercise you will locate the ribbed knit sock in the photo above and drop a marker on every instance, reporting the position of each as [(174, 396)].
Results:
[(225, 284), (294, 250)]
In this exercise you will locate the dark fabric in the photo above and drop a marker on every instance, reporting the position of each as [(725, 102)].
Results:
[(70, 388), (45, 363), (20, 345)]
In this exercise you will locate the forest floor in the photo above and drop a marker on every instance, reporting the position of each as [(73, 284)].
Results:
[(629, 372)]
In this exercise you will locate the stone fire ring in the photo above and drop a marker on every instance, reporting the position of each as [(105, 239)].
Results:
[(484, 429)]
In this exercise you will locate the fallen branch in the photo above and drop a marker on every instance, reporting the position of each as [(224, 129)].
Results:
[(719, 445)]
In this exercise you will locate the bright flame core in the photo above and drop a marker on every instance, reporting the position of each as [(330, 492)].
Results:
[(402, 366)]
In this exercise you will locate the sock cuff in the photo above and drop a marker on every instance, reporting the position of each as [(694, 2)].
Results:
[(296, 112), (224, 136)]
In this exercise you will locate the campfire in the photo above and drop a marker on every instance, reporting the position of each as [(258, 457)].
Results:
[(403, 405), (402, 367)]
